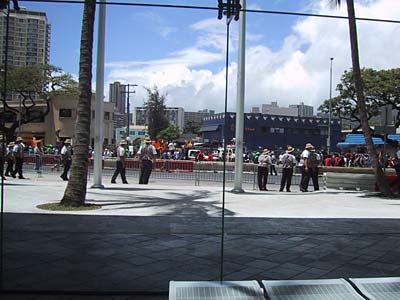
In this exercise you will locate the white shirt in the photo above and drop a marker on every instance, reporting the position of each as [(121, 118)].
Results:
[(304, 154)]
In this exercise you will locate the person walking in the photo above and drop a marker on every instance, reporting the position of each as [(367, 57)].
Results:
[(146, 154), (314, 160), (304, 168), (121, 162), (66, 157), (10, 159), (38, 152), (18, 151), (3, 151), (264, 161), (288, 162)]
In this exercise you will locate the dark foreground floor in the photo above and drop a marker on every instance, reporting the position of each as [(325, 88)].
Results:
[(131, 255)]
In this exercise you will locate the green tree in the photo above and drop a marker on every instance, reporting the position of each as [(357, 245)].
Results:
[(358, 83), (170, 133), (155, 109), (35, 85), (345, 106), (192, 126), (75, 192)]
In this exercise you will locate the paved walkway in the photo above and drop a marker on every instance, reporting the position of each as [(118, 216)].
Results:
[(145, 236)]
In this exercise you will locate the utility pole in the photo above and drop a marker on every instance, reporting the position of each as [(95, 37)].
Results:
[(330, 109), (240, 103), (128, 92)]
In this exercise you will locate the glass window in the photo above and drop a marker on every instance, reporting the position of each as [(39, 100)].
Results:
[(65, 113), (277, 130)]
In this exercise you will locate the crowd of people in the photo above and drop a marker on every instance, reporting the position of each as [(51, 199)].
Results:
[(308, 160), (13, 155)]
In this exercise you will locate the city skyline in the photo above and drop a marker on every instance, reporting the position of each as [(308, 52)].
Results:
[(182, 52)]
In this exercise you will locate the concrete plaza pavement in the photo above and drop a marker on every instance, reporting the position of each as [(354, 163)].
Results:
[(146, 235)]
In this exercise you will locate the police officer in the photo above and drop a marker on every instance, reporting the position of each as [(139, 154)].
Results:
[(18, 151), (146, 153), (121, 157)]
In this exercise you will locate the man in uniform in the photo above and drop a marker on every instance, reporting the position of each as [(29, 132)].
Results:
[(288, 162), (3, 150), (264, 161), (66, 157), (121, 157), (146, 154), (18, 151), (10, 159), (304, 168)]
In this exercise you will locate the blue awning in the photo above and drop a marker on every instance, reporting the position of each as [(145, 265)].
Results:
[(395, 137), (358, 140)]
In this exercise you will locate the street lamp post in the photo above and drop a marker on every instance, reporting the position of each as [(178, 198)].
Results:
[(330, 109)]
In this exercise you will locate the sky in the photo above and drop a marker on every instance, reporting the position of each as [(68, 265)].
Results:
[(182, 52)]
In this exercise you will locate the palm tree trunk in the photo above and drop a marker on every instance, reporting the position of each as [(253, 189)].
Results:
[(379, 175), (75, 193)]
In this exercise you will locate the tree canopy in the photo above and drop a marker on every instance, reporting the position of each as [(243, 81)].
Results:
[(171, 133), (33, 84), (381, 88), (156, 115), (192, 126)]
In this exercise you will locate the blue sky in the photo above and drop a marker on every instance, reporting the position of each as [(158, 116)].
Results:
[(182, 51)]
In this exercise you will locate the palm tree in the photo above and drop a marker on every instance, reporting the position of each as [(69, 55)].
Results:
[(75, 193), (379, 175)]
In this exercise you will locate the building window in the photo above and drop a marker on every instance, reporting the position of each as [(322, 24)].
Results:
[(277, 130), (132, 132), (37, 117), (107, 115), (141, 132), (65, 113)]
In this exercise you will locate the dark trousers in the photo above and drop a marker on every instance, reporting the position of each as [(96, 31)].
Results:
[(10, 167), (262, 177), (272, 170), (2, 166), (18, 167), (287, 174), (120, 170), (67, 166), (305, 178), (314, 178), (145, 171)]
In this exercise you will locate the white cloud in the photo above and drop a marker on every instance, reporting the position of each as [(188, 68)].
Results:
[(194, 77)]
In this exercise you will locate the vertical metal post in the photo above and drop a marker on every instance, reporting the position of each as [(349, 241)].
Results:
[(127, 112), (240, 102), (330, 108), (4, 124), (99, 110), (385, 139)]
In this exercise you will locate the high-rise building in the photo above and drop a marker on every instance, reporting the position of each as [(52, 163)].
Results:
[(197, 116), (28, 38), (304, 110), (274, 109), (117, 95)]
